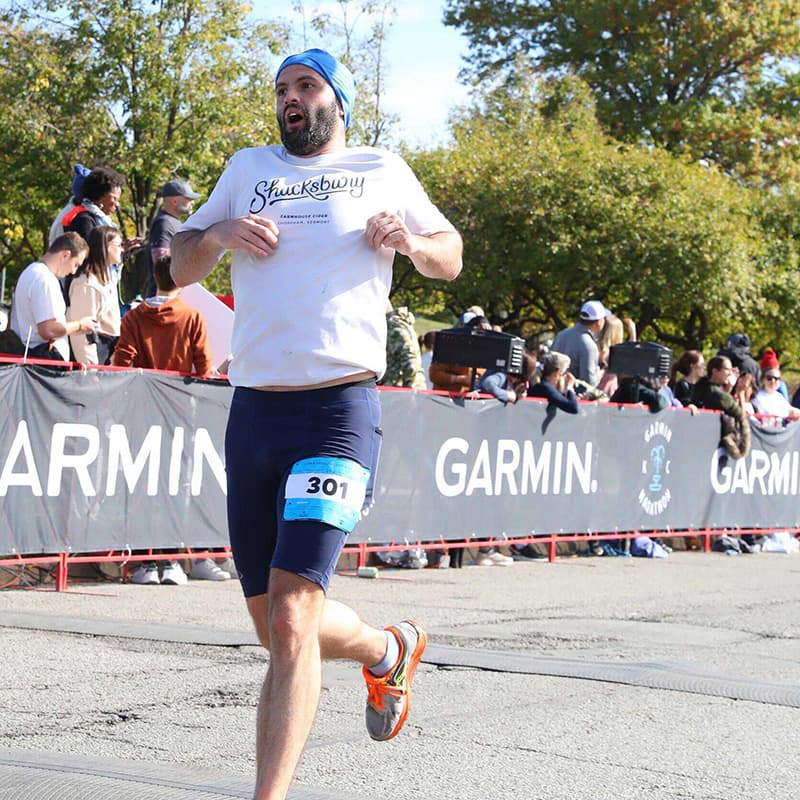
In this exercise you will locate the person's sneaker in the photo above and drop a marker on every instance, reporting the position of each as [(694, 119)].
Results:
[(389, 697), (173, 574), (493, 558), (228, 566), (525, 553), (207, 570), (145, 575)]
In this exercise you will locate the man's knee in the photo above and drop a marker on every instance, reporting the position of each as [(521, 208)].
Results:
[(294, 610)]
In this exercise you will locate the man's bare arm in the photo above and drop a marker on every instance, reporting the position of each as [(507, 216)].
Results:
[(195, 253), (435, 256)]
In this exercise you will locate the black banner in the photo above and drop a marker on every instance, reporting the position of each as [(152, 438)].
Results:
[(108, 460)]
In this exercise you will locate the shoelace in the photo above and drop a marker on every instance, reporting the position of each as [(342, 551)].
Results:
[(377, 690)]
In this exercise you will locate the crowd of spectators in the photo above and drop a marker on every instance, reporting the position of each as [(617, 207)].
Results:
[(66, 306)]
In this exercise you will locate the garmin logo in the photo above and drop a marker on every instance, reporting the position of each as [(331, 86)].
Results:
[(766, 474), (276, 190), (79, 451), (509, 467), (655, 496)]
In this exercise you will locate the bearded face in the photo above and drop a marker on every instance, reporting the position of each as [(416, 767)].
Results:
[(306, 130)]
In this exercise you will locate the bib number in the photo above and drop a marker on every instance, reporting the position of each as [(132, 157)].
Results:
[(325, 489)]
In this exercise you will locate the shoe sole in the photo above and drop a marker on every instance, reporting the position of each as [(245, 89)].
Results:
[(416, 656)]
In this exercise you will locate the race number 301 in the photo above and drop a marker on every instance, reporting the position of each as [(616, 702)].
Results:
[(329, 490)]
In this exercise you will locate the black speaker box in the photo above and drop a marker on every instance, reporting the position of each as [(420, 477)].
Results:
[(479, 348), (640, 359)]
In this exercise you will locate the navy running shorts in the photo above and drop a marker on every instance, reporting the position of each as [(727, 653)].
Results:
[(300, 467)]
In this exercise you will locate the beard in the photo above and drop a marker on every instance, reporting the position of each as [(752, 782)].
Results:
[(318, 129)]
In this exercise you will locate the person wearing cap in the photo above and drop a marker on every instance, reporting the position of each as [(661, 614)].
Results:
[(177, 200), (314, 226), (579, 342), (737, 349), (78, 175), (769, 400)]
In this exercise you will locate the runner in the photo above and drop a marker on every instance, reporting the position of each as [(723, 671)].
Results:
[(314, 226)]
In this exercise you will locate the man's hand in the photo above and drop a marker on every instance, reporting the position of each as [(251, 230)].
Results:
[(255, 235), (195, 253), (388, 230), (437, 255)]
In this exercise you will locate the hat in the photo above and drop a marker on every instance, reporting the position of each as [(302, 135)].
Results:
[(738, 341), (770, 360), (335, 73), (178, 188), (466, 317), (593, 310), (79, 173)]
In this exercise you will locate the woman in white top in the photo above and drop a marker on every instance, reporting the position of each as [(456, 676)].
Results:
[(93, 293), (769, 401)]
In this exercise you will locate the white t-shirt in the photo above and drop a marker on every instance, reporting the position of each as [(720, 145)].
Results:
[(774, 404), (38, 298), (314, 311)]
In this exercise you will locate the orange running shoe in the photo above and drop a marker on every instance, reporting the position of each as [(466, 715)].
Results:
[(389, 697)]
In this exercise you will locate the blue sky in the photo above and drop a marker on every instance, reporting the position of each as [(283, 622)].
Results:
[(423, 60)]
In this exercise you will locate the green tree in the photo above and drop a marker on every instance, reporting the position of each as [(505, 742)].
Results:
[(553, 213), (153, 89), (714, 78)]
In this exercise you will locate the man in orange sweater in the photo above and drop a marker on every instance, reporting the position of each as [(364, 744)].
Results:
[(163, 332)]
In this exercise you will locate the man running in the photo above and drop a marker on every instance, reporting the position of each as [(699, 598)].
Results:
[(313, 226)]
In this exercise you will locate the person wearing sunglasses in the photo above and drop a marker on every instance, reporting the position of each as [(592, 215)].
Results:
[(768, 400)]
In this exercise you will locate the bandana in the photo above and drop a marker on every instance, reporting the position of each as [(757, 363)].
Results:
[(335, 73)]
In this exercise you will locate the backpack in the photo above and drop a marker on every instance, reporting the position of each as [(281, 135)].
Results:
[(11, 344)]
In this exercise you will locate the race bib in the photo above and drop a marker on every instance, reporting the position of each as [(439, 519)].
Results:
[(329, 490)]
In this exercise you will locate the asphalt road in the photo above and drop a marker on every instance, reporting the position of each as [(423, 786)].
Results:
[(123, 688)]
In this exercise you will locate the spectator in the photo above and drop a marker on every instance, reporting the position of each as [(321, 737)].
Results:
[(666, 392), (641, 389), (580, 342), (38, 311), (403, 358), (163, 332), (93, 293), (177, 199), (711, 392), (100, 195), (611, 334), (737, 349), (743, 392), (769, 359), (768, 400), (56, 229), (427, 341), (556, 384), (692, 366)]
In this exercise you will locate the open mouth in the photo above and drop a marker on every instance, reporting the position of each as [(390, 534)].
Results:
[(294, 117)]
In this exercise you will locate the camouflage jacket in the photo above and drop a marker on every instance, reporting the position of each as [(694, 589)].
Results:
[(403, 358)]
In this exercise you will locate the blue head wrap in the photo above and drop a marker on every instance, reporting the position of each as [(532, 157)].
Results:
[(335, 73), (80, 172)]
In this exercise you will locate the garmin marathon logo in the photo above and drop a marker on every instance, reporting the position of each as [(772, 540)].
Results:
[(276, 190), (101, 462), (767, 474), (655, 496), (510, 467)]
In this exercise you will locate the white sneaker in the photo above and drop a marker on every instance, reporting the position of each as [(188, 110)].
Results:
[(207, 570), (496, 558), (173, 574), (145, 575), (228, 566)]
